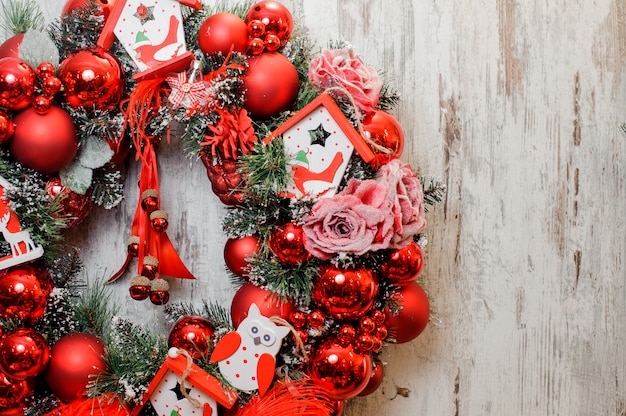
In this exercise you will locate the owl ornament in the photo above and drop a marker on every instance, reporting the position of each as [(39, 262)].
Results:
[(247, 357)]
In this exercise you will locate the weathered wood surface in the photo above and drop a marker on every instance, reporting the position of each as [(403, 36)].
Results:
[(516, 106)]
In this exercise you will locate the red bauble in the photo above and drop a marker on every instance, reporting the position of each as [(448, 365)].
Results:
[(384, 130), (7, 127), (340, 369), (275, 17), (71, 5), (24, 353), (24, 292), (269, 304), (92, 79), (226, 180), (17, 83), (74, 207), (13, 393), (75, 359), (345, 294), (221, 32), (11, 46), (412, 318), (375, 380), (193, 334), (404, 265), (45, 143), (338, 408), (271, 85), (287, 243), (237, 251)]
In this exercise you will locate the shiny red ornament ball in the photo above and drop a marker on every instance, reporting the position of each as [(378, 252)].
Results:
[(45, 70), (271, 85), (275, 17), (17, 84), (13, 393), (46, 142), (223, 32), (338, 408), (384, 130), (105, 5), (345, 294), (75, 360), (7, 127), (24, 292), (74, 207), (375, 380), (193, 334), (412, 319), (269, 304), (340, 369), (92, 79), (24, 353), (41, 104), (287, 243), (237, 251), (51, 85), (11, 46), (403, 265)]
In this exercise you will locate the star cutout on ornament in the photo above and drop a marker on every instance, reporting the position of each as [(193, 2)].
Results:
[(144, 13), (178, 392), (319, 135)]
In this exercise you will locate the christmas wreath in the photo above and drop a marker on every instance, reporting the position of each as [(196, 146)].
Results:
[(325, 224)]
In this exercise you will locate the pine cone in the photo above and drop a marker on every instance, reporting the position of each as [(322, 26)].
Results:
[(226, 182)]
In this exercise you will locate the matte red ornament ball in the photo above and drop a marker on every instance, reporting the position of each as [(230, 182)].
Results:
[(11, 46), (237, 251), (24, 292), (375, 380), (24, 353), (74, 359), (271, 85), (269, 304), (413, 316), (222, 32), (404, 265), (46, 142), (17, 83), (192, 334), (384, 130)]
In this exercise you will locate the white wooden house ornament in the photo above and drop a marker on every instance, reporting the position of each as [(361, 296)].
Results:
[(152, 33), (319, 141)]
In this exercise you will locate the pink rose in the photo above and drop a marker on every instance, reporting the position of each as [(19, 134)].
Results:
[(344, 69), (406, 196), (354, 221)]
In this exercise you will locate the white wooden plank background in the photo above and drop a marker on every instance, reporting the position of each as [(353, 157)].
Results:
[(516, 106)]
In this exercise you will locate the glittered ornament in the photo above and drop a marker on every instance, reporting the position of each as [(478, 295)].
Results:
[(140, 287), (271, 85), (24, 353), (11, 46), (226, 180), (159, 292), (223, 32), (298, 319), (345, 294), (13, 393), (24, 292), (17, 83), (237, 251), (413, 316), (340, 369), (276, 19), (76, 359), (376, 378), (316, 319), (287, 243), (403, 265), (193, 334), (74, 207), (92, 79), (7, 127), (45, 143), (269, 304), (385, 131)]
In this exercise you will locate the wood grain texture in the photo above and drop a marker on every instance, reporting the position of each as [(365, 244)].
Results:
[(516, 107)]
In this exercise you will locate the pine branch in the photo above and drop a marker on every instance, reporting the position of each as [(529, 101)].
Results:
[(107, 187), (94, 310), (217, 315), (18, 16), (77, 30), (434, 192), (265, 171)]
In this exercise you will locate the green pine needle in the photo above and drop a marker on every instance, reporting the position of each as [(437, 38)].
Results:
[(18, 16), (265, 170), (217, 315), (434, 192)]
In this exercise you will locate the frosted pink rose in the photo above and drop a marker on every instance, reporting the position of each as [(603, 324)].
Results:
[(354, 221), (406, 196), (345, 69)]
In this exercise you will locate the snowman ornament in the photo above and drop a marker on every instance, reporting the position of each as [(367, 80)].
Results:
[(247, 357)]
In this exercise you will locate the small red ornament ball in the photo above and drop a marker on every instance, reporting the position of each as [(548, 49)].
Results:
[(13, 393), (24, 353), (221, 32), (345, 294), (375, 380), (92, 79), (105, 5), (269, 304), (412, 319), (275, 17), (237, 251), (384, 130), (74, 207), (271, 85), (340, 369), (17, 83), (11, 46), (287, 243), (404, 265), (193, 334), (44, 142), (24, 292), (75, 358), (7, 127)]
